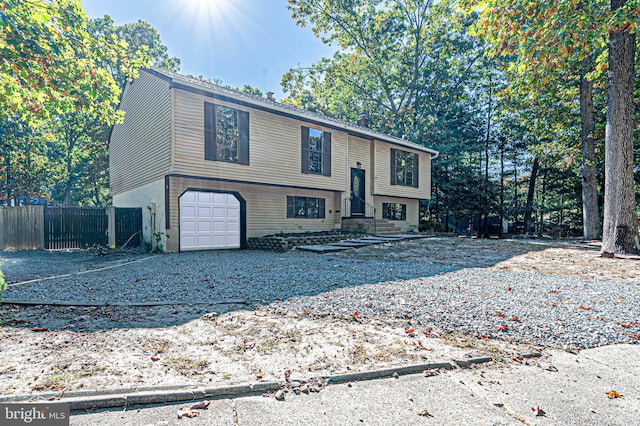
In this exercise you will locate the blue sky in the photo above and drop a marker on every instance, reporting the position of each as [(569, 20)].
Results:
[(237, 41)]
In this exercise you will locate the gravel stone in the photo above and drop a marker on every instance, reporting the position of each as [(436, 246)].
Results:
[(524, 307)]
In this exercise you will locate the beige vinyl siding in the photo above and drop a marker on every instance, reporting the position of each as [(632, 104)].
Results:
[(360, 151), (413, 211), (274, 147), (382, 179), (146, 197), (266, 207), (140, 148)]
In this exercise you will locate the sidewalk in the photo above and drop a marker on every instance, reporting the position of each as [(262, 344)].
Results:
[(575, 394)]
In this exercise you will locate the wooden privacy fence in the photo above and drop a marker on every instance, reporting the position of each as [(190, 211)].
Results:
[(74, 227), (22, 227), (55, 228)]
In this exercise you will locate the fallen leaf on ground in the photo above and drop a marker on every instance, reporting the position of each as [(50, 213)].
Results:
[(552, 368), (356, 314), (307, 311), (410, 332), (425, 413), (585, 308), (200, 405), (40, 329), (501, 315), (419, 346), (185, 412), (430, 372), (614, 394), (539, 411), (553, 291), (502, 327), (155, 358), (514, 319)]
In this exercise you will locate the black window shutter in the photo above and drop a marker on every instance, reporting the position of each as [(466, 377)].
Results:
[(210, 151), (415, 170), (393, 166), (243, 137), (326, 155), (291, 210), (321, 203), (305, 150)]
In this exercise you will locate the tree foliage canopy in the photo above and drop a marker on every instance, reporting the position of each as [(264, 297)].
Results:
[(50, 65)]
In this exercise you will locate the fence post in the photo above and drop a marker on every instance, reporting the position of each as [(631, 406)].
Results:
[(111, 226)]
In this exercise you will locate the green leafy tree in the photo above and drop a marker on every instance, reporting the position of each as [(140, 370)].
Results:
[(50, 65), (141, 41), (554, 39)]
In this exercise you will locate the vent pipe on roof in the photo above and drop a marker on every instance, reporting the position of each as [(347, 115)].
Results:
[(363, 121), (270, 97)]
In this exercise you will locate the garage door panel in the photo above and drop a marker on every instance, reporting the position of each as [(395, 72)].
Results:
[(188, 225), (204, 225), (188, 212), (209, 221), (188, 197), (204, 197), (220, 212)]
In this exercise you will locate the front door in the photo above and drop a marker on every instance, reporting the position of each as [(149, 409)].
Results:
[(357, 192)]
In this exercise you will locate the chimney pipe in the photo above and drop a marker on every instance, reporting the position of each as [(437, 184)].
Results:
[(270, 97), (363, 121)]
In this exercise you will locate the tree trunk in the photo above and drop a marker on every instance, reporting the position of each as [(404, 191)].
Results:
[(620, 229), (515, 193), (501, 209), (532, 187), (484, 226), (590, 209)]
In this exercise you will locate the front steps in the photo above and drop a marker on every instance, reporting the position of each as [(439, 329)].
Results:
[(362, 226)]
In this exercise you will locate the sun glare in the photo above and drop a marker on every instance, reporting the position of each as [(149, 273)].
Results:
[(221, 25)]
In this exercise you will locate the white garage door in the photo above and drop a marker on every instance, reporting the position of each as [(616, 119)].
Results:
[(209, 220)]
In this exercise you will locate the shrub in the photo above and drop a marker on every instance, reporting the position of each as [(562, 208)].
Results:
[(431, 225), (3, 284)]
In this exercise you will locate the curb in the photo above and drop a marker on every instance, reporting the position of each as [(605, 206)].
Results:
[(98, 399), (122, 304)]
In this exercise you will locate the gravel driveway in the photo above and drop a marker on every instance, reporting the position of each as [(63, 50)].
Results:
[(395, 281)]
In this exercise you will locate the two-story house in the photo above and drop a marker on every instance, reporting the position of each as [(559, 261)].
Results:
[(212, 167)]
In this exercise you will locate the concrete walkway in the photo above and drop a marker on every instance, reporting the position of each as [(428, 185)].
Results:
[(359, 242), (563, 389)]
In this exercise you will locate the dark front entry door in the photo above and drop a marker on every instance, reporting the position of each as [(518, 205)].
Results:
[(357, 192)]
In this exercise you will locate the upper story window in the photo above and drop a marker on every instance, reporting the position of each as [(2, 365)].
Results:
[(404, 168), (226, 134), (316, 151)]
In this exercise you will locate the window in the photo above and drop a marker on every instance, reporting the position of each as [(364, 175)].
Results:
[(404, 168), (394, 211), (305, 207), (226, 134), (316, 151)]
